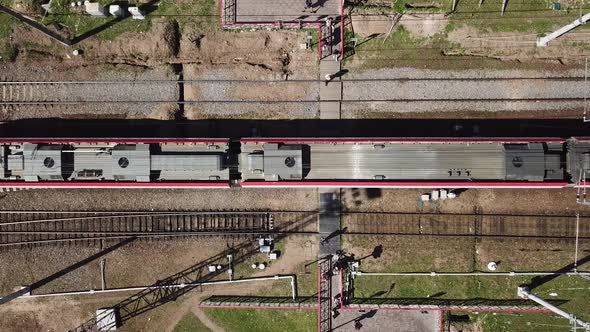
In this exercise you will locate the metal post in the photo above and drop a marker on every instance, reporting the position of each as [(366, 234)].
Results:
[(102, 274), (454, 5), (503, 6), (480, 2), (230, 269), (576, 246), (171, 286), (293, 289), (471, 274), (585, 88)]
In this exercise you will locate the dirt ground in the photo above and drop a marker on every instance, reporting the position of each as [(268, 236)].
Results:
[(126, 267), (424, 25), (466, 114), (509, 201), (161, 200), (210, 55)]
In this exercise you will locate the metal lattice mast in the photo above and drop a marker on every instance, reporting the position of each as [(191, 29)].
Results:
[(324, 295)]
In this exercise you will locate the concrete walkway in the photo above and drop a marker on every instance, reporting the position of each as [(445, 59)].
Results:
[(329, 221), (271, 11), (330, 90), (388, 320)]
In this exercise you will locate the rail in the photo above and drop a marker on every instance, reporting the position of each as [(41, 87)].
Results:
[(31, 228), (467, 225)]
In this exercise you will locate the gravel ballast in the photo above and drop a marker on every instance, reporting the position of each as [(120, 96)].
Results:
[(405, 88)]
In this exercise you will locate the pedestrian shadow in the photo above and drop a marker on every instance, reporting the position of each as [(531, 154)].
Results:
[(364, 316), (340, 73)]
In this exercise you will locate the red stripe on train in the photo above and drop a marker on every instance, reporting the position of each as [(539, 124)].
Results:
[(112, 140), (403, 140), (375, 184), (113, 184)]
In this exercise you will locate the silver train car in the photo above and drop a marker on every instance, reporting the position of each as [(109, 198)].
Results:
[(115, 163), (295, 162)]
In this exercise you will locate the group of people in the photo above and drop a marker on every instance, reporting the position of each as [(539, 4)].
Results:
[(340, 260)]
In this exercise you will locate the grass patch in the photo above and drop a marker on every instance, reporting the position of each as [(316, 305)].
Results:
[(415, 255), (190, 323), (7, 50), (264, 320), (400, 6), (402, 49), (79, 23), (6, 24), (573, 290), (195, 14), (509, 322), (520, 16), (503, 322)]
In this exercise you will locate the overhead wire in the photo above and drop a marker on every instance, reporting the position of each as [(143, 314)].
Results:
[(375, 79), (384, 100)]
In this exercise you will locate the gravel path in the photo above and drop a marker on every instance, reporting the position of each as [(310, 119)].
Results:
[(448, 89), (90, 92), (306, 92)]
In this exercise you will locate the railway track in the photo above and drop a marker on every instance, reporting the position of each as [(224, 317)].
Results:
[(48, 95), (30, 228), (466, 225), (90, 228), (52, 93)]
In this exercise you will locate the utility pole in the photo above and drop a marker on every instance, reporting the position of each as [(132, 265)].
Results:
[(480, 2), (504, 6), (585, 90), (102, 274)]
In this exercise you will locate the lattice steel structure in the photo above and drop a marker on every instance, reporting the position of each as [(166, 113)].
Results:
[(325, 294)]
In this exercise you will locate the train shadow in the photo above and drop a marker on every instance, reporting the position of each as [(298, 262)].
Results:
[(235, 129)]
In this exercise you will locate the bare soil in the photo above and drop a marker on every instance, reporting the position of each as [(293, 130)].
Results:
[(508, 201), (554, 114), (367, 25), (161, 200), (211, 54), (424, 25), (135, 264)]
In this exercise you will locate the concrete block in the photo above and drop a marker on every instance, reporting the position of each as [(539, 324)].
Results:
[(95, 9), (106, 319), (116, 10), (136, 13)]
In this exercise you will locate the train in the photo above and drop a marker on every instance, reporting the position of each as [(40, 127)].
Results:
[(257, 162)]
